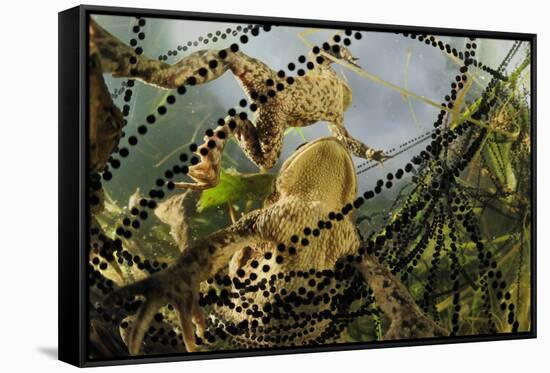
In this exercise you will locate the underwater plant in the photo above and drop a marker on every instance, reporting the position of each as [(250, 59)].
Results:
[(298, 257)]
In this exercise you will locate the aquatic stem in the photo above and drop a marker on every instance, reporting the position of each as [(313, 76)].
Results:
[(183, 146), (406, 82), (464, 117)]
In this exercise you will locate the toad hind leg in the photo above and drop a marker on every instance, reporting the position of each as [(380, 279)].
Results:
[(122, 61), (197, 68), (179, 284)]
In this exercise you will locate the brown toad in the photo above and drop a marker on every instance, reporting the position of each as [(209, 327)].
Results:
[(317, 179), (279, 102)]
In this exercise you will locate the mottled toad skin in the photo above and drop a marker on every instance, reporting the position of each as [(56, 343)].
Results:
[(317, 179), (319, 95), (106, 121)]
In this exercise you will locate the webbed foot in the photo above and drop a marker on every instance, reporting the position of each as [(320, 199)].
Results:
[(206, 173), (377, 156), (169, 287)]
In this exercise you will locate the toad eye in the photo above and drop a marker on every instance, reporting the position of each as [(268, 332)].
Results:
[(302, 144)]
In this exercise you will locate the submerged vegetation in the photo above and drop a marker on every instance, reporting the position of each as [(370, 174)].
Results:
[(473, 273), (451, 226)]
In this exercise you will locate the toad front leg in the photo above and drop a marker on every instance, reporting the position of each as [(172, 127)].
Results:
[(355, 146), (261, 143)]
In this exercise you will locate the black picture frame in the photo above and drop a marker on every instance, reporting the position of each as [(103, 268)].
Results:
[(73, 181)]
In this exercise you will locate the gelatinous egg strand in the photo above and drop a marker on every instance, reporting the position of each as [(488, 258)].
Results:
[(344, 272), (171, 99), (213, 37)]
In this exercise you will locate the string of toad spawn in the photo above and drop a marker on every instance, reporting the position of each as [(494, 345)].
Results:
[(337, 216)]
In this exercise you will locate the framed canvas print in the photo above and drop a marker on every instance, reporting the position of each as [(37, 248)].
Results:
[(236, 186)]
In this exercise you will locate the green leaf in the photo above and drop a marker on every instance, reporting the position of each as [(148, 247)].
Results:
[(233, 187)]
